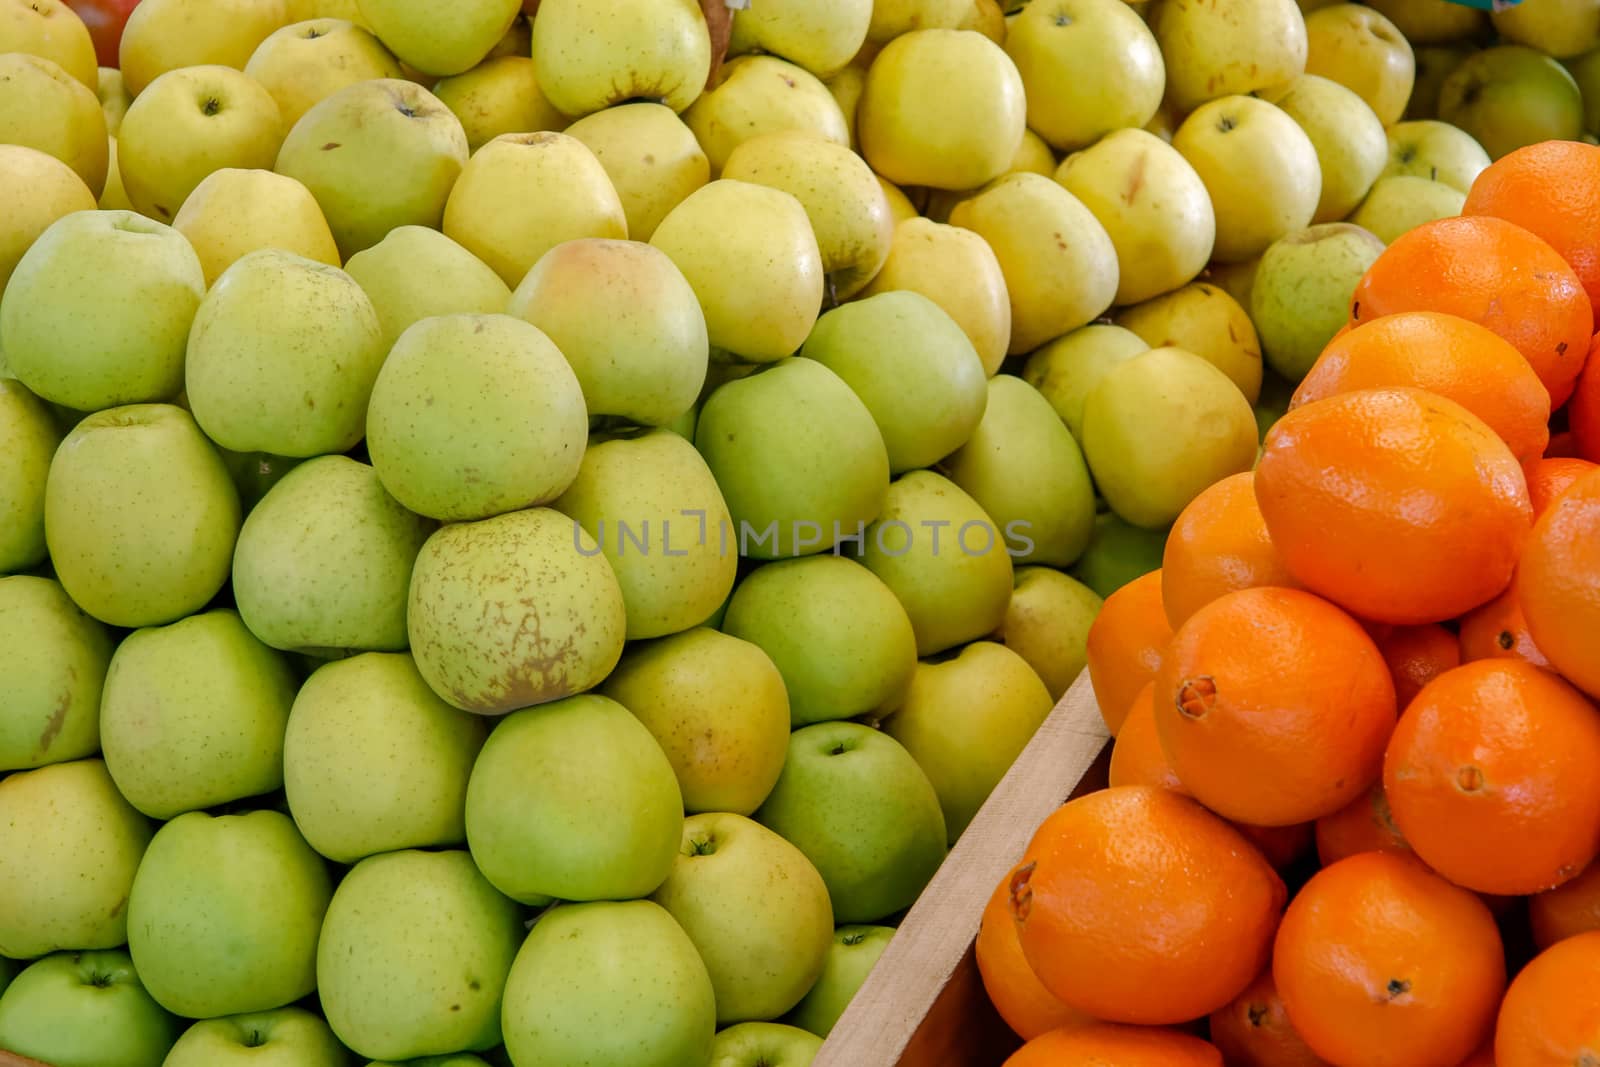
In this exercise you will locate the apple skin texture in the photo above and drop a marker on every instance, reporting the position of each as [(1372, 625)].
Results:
[(85, 1009)]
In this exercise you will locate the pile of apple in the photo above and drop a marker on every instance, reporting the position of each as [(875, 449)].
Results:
[(528, 535)]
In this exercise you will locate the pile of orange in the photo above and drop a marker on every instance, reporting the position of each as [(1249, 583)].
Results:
[(1354, 805)]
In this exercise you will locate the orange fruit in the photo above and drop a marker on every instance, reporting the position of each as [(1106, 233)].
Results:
[(1125, 646), (1396, 504), (1443, 354), (1484, 1057), (1274, 707), (1364, 825), (1283, 846), (1493, 273), (1551, 1014), (1570, 909), (1255, 1031), (1136, 905), (1551, 476), (1490, 776), (1558, 583), (1382, 963), (1136, 756), (1027, 1007), (1416, 655), (1583, 411), (1219, 544), (1564, 445), (1108, 1045), (1549, 189), (1498, 630)]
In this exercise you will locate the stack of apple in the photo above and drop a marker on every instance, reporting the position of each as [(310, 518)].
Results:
[(531, 536)]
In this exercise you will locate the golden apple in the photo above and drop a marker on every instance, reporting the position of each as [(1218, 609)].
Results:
[(499, 96), (440, 39), (415, 273), (1066, 370), (819, 35), (1432, 21), (1227, 47), (114, 98), (595, 53), (235, 211), (762, 94), (1560, 29), (847, 85), (1235, 279), (988, 18), (1205, 320), (1402, 202), (1509, 96), (1362, 50), (1427, 148), (894, 18), (306, 62), (163, 35), (114, 197), (652, 158), (348, 10), (51, 30), (35, 190), (1033, 157), (900, 205), (44, 107), (516, 41), (1349, 140)]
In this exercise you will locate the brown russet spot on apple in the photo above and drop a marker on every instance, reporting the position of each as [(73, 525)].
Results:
[(58, 716), (1136, 178)]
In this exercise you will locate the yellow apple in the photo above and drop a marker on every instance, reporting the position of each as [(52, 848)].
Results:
[(1047, 624), (652, 158), (847, 85), (1434, 64), (1560, 29), (893, 18), (44, 107), (1066, 370), (1059, 265), (1163, 123), (164, 35), (1427, 148), (35, 190), (1033, 157), (1348, 138), (516, 41), (1511, 95), (1259, 167), (762, 94), (819, 35), (900, 205), (415, 273), (307, 62), (440, 39), (114, 197), (1226, 47), (957, 270), (51, 30), (235, 211), (348, 10), (1402, 202), (1089, 67), (189, 123), (1432, 21), (1203, 319), (752, 260), (595, 53), (941, 108), (1362, 50), (1153, 205), (848, 210), (1235, 279), (114, 98), (499, 96)]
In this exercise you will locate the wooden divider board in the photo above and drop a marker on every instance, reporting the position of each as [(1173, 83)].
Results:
[(923, 1005)]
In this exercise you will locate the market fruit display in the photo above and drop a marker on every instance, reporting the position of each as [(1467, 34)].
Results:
[(529, 531)]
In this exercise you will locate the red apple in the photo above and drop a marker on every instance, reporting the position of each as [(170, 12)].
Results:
[(105, 19)]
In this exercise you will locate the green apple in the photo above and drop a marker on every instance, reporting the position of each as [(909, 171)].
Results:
[(1162, 225), (1438, 151), (1509, 96), (851, 957), (1089, 67), (98, 310), (50, 29), (820, 36), (140, 515), (1346, 134), (234, 212), (1206, 320), (764, 1044), (799, 459), (323, 563), (37, 189), (45, 108), (1259, 167), (187, 124), (1025, 470), (1161, 427), (459, 1059), (114, 97), (373, 761), (1433, 21), (1585, 70), (480, 588), (165, 35), (415, 273), (944, 558), (1227, 47), (499, 96), (474, 416), (1047, 624), (651, 156), (225, 912), (440, 40), (609, 984), (754, 95), (592, 54), (114, 197), (836, 632), (1301, 295), (544, 825), (1434, 64), (1402, 202), (913, 368), (627, 321), (753, 261), (855, 802), (28, 440), (1066, 370), (522, 194), (85, 1009), (69, 847), (282, 357), (965, 720), (287, 1037), (193, 715), (1118, 553), (633, 483), (414, 954), (957, 270), (717, 706), (53, 661), (755, 908), (307, 62), (1561, 29), (1363, 51), (397, 151), (943, 108)]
